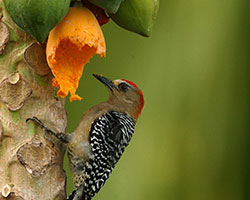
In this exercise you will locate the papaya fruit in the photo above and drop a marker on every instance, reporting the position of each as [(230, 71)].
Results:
[(37, 17), (137, 16), (71, 44)]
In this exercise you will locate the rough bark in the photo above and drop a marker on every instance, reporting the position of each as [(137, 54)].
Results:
[(30, 163)]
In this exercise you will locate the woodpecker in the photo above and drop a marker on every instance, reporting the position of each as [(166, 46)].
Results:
[(101, 137)]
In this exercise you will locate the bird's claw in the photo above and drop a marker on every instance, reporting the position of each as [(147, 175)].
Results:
[(61, 136), (41, 124)]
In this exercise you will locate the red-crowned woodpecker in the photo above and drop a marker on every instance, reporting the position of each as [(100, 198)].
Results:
[(101, 137)]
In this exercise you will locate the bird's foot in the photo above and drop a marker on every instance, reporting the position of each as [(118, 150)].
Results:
[(41, 124), (63, 137)]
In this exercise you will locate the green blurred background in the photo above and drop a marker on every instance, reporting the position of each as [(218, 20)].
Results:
[(192, 140)]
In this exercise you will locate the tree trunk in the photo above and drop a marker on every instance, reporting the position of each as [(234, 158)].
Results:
[(30, 163)]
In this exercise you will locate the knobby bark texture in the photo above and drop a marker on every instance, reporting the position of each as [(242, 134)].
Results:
[(30, 163)]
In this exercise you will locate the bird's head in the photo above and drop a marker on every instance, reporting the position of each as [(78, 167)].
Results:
[(125, 95)]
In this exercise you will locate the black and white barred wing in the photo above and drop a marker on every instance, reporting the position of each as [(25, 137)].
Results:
[(109, 136)]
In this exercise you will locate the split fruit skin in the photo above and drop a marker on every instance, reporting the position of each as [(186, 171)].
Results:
[(37, 17), (70, 46), (99, 13), (137, 16)]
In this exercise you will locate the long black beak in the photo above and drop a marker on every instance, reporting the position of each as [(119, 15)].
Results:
[(105, 81)]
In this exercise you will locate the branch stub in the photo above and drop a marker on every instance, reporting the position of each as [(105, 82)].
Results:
[(35, 57), (4, 36), (14, 91)]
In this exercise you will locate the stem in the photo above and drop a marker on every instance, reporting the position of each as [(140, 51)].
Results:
[(31, 166)]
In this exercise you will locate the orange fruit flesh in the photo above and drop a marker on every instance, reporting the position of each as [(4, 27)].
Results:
[(73, 58), (70, 46)]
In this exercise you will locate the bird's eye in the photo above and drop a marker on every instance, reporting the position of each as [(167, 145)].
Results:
[(123, 87)]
